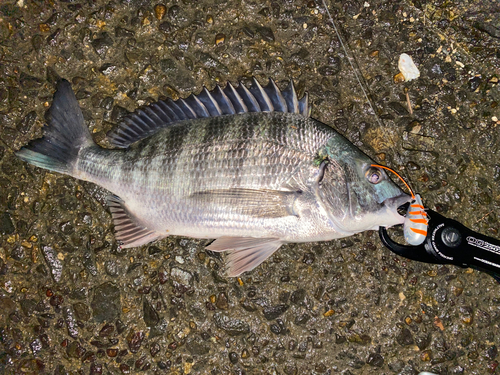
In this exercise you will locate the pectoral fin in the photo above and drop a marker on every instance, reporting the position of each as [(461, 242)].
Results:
[(262, 203), (128, 231), (245, 253)]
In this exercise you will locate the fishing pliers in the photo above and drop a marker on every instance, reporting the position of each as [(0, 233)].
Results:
[(450, 242)]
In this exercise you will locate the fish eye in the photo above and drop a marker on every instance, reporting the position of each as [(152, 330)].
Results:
[(373, 175)]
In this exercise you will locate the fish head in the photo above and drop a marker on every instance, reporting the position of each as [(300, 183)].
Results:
[(372, 197)]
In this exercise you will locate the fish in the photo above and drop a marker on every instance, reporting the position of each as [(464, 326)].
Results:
[(246, 167)]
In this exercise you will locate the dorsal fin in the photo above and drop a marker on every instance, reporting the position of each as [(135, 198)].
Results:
[(146, 121)]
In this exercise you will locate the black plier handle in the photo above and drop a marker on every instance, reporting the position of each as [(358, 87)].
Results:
[(450, 242)]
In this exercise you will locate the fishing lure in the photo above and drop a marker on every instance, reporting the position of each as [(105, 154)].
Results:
[(416, 221)]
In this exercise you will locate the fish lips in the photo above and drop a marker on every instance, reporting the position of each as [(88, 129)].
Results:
[(393, 204)]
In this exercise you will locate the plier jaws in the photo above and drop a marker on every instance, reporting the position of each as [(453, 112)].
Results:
[(450, 242)]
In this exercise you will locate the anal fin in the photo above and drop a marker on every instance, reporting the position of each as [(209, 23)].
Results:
[(128, 232), (245, 253)]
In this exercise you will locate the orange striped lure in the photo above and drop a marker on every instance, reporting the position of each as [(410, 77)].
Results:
[(416, 221)]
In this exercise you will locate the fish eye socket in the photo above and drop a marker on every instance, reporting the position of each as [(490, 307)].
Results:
[(373, 175)]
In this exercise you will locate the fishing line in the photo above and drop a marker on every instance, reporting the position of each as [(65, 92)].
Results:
[(350, 59)]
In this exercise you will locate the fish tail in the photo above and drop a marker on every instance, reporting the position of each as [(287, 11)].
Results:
[(64, 136)]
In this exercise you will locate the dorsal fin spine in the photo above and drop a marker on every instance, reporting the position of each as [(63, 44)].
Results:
[(248, 99), (144, 115), (209, 102), (274, 93), (197, 105), (261, 96), (230, 100), (179, 112), (160, 112), (167, 110), (186, 108), (235, 98)]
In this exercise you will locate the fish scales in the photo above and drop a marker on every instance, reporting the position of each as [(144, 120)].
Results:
[(270, 147), (251, 180)]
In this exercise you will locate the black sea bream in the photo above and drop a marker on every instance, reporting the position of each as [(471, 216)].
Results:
[(246, 167)]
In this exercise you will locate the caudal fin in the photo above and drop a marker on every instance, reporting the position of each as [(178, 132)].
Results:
[(64, 136)]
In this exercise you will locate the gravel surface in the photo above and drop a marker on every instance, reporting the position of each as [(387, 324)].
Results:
[(72, 302)]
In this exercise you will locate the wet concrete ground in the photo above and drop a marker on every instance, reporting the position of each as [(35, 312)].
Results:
[(72, 302)]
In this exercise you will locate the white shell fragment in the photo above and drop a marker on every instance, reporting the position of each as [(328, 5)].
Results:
[(407, 67)]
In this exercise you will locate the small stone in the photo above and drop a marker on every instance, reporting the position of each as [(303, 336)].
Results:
[(107, 330), (245, 354), (181, 276), (398, 108), (233, 357), (426, 356), (106, 304), (165, 27), (233, 327), (112, 352), (96, 368), (18, 253), (273, 312), (154, 349), (36, 346), (55, 265), (150, 315), (82, 311), (120, 326), (398, 78), (375, 360), (404, 337), (298, 296), (219, 39), (70, 320), (152, 250), (6, 225), (75, 350), (102, 44), (56, 300), (160, 11), (308, 258), (134, 340), (266, 33), (44, 28), (120, 32), (222, 301), (111, 267), (474, 83)]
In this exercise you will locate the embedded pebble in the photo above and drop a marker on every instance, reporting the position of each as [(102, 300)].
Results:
[(55, 265), (150, 316), (106, 305), (6, 225), (160, 11), (273, 312), (233, 327), (181, 276), (134, 340), (70, 320)]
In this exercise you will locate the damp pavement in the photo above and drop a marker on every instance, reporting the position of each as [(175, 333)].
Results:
[(72, 302)]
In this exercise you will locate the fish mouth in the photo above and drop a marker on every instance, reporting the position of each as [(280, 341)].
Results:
[(393, 206), (397, 201)]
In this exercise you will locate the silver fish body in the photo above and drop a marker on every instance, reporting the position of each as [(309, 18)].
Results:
[(250, 180)]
